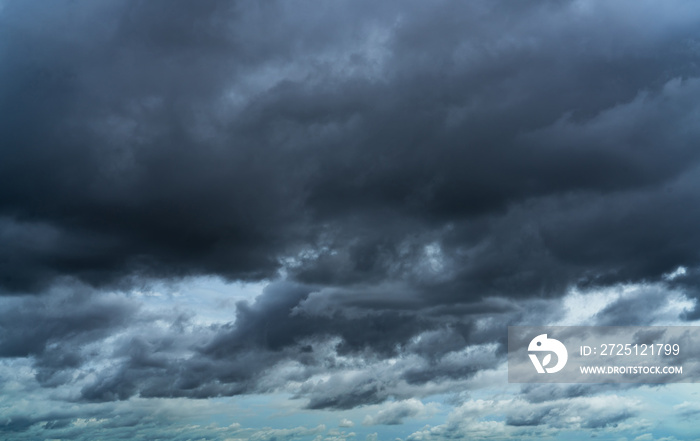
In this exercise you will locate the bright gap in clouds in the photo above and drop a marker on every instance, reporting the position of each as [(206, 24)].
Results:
[(585, 308), (205, 299)]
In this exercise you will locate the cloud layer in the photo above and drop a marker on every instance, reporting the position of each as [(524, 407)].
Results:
[(407, 179)]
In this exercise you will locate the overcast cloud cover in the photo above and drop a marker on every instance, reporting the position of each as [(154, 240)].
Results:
[(308, 220)]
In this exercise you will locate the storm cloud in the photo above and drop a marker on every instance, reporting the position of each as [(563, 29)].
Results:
[(153, 140), (405, 178)]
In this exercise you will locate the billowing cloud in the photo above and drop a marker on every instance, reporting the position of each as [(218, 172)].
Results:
[(395, 413), (484, 419), (406, 179), (164, 144)]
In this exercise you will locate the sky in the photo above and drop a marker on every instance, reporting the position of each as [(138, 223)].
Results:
[(315, 220)]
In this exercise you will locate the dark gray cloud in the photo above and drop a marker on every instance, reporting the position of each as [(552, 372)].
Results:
[(56, 330), (152, 141), (249, 354), (419, 175)]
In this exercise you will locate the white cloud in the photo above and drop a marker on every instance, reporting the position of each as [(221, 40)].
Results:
[(395, 412), (516, 417)]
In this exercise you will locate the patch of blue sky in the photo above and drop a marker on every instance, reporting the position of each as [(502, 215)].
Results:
[(206, 299)]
